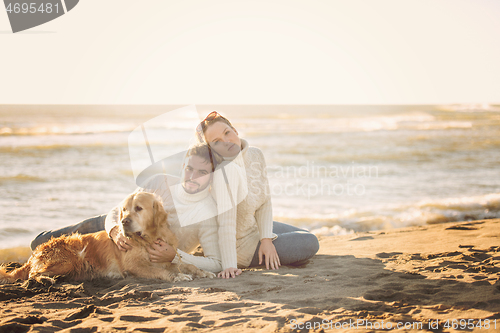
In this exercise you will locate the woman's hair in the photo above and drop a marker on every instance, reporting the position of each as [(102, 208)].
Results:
[(203, 150)]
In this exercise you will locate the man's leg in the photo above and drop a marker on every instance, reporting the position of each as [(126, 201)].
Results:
[(93, 224), (294, 245)]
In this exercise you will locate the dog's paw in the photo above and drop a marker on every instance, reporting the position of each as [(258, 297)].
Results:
[(46, 281), (38, 281), (183, 277), (208, 275), (6, 281)]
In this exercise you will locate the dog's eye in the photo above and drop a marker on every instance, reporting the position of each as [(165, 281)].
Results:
[(124, 209), (138, 209)]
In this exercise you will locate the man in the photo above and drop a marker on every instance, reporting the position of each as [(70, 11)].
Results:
[(191, 215)]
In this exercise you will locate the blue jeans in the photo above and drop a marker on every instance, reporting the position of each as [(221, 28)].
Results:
[(294, 245), (93, 224)]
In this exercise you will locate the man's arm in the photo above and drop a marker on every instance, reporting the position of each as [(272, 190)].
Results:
[(203, 233), (209, 241), (112, 220)]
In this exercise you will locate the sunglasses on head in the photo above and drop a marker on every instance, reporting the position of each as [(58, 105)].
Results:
[(211, 116)]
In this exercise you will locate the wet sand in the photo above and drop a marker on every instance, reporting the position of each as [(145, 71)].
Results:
[(407, 276)]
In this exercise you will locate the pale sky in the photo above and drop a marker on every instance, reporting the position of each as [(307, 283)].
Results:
[(257, 52)]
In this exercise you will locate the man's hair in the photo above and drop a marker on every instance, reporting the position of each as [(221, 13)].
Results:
[(202, 150)]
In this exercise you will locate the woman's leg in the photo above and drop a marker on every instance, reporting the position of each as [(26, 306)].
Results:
[(294, 245), (93, 224)]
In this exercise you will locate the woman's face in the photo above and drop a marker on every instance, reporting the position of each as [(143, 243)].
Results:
[(223, 139)]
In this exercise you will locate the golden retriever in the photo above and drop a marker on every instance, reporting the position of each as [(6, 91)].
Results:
[(85, 257)]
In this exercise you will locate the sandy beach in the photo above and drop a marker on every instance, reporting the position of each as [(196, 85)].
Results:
[(365, 282)]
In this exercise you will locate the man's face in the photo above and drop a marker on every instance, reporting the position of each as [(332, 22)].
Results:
[(196, 174)]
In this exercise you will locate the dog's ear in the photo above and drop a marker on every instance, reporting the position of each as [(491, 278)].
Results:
[(120, 213), (122, 205), (159, 214)]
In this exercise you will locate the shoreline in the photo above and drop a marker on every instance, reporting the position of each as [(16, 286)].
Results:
[(409, 275)]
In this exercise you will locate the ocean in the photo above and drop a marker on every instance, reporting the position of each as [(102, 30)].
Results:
[(332, 169)]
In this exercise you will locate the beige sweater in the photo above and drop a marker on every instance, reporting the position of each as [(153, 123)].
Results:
[(199, 208), (241, 227)]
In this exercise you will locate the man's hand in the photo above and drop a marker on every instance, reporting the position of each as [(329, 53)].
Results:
[(229, 272), (268, 250), (120, 240), (160, 251)]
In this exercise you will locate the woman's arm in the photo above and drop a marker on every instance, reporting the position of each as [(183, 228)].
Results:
[(264, 219), (263, 214), (227, 213)]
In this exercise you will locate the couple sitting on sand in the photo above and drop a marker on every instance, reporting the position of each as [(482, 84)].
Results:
[(224, 201)]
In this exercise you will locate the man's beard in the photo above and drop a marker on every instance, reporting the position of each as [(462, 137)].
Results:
[(190, 190)]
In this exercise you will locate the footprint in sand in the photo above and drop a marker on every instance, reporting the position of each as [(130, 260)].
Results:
[(137, 319), (195, 317), (30, 320), (461, 227), (82, 313), (269, 309), (231, 323), (362, 238), (385, 255), (227, 306), (64, 324), (149, 330)]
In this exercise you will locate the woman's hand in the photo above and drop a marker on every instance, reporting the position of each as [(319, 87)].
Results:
[(268, 250), (120, 240), (229, 272), (160, 251)]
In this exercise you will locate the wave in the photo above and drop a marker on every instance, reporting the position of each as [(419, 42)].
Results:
[(418, 121), (460, 209), (61, 129), (292, 124), (471, 107), (90, 128), (399, 216), (14, 231), (21, 178)]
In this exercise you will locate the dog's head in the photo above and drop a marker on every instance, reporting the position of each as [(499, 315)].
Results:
[(142, 217)]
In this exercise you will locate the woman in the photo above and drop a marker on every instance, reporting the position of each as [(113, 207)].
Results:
[(247, 232)]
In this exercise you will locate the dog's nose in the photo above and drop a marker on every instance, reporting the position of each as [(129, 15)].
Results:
[(126, 221)]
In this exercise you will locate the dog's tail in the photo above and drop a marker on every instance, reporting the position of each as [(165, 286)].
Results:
[(18, 273)]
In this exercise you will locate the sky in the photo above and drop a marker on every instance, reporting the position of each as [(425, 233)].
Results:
[(257, 52)]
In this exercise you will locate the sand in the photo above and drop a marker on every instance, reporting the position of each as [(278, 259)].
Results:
[(422, 277)]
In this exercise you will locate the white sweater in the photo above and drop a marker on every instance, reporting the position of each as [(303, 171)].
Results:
[(199, 207), (241, 227)]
